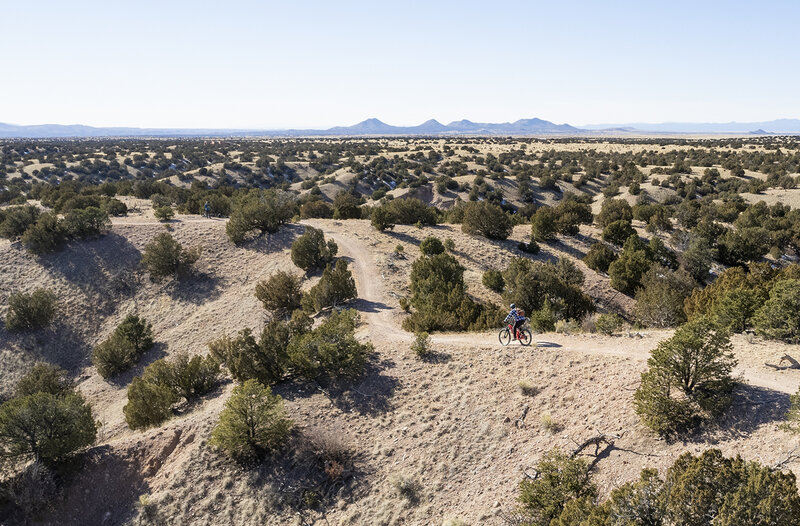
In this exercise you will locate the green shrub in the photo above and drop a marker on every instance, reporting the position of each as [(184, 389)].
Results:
[(317, 208), (17, 219), (599, 257), (736, 308), (346, 206), (381, 219), (86, 222), (260, 210), (568, 272), (336, 286), (697, 258), (543, 319), (331, 350), (126, 345), (114, 207), (45, 427), (627, 271), (164, 213), (618, 231), (659, 301), (487, 220), (697, 363), (310, 251), (46, 235), (265, 360), (421, 347), (148, 404), (30, 312), (530, 284), (430, 246), (493, 280), (792, 423), (253, 423), (410, 211), (44, 378), (743, 245), (280, 294), (164, 383), (561, 479), (164, 256), (543, 224), (779, 317), (449, 244), (608, 323), (614, 210)]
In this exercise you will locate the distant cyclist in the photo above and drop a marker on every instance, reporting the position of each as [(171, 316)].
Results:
[(518, 315), (207, 209)]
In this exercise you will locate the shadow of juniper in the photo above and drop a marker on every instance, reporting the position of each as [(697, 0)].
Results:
[(196, 288)]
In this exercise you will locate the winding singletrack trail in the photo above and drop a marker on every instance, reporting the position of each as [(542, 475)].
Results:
[(383, 321)]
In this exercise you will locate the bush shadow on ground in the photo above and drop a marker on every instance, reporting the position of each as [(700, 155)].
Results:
[(196, 288), (275, 242), (370, 394), (98, 267), (752, 407), (104, 488), (59, 344)]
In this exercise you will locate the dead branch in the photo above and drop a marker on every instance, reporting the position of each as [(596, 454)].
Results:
[(793, 455), (520, 422), (793, 364)]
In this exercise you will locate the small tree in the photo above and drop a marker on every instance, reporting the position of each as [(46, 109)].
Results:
[(487, 220), (608, 323), (779, 317), (148, 404), (126, 345), (331, 349), (659, 302), (618, 231), (627, 271), (86, 222), (336, 286), (310, 251), (164, 256), (493, 280), (280, 294), (44, 378), (164, 213), (543, 224), (46, 235), (614, 210), (696, 363), (599, 257), (381, 218), (45, 427), (421, 347), (30, 312), (346, 206), (431, 246), (561, 479), (253, 423), (264, 360)]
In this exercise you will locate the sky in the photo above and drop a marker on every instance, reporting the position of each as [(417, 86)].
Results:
[(303, 64)]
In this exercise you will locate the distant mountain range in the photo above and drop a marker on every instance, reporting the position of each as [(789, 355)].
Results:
[(789, 126), (430, 127)]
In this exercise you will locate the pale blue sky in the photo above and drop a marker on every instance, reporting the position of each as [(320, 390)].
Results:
[(318, 64)]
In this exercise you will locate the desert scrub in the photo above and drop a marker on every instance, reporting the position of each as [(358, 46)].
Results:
[(549, 423), (526, 388), (567, 326), (421, 347), (30, 312), (407, 487), (253, 423), (493, 280), (608, 323), (126, 345), (164, 256)]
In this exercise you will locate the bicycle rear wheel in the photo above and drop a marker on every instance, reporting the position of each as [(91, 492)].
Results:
[(525, 337), (504, 336)]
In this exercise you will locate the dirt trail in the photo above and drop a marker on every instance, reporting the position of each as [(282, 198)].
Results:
[(384, 324)]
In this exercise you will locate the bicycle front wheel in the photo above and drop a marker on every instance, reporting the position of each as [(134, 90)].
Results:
[(525, 337), (504, 336)]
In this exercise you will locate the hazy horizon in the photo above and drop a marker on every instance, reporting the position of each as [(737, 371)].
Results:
[(314, 65)]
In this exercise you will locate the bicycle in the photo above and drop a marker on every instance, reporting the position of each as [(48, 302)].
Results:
[(524, 335)]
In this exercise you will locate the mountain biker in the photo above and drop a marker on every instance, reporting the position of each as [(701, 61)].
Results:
[(207, 209), (518, 315)]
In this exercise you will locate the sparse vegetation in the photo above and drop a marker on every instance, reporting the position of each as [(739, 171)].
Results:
[(421, 347), (164, 257), (280, 294), (310, 251), (30, 312), (120, 351)]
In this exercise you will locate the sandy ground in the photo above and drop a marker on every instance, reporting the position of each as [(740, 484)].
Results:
[(453, 424)]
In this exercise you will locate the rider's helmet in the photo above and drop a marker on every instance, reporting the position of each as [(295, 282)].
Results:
[(513, 305)]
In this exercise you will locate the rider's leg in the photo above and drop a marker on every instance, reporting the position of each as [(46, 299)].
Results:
[(517, 325)]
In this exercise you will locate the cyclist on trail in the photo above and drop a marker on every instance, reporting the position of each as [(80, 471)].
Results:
[(207, 209), (518, 315)]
